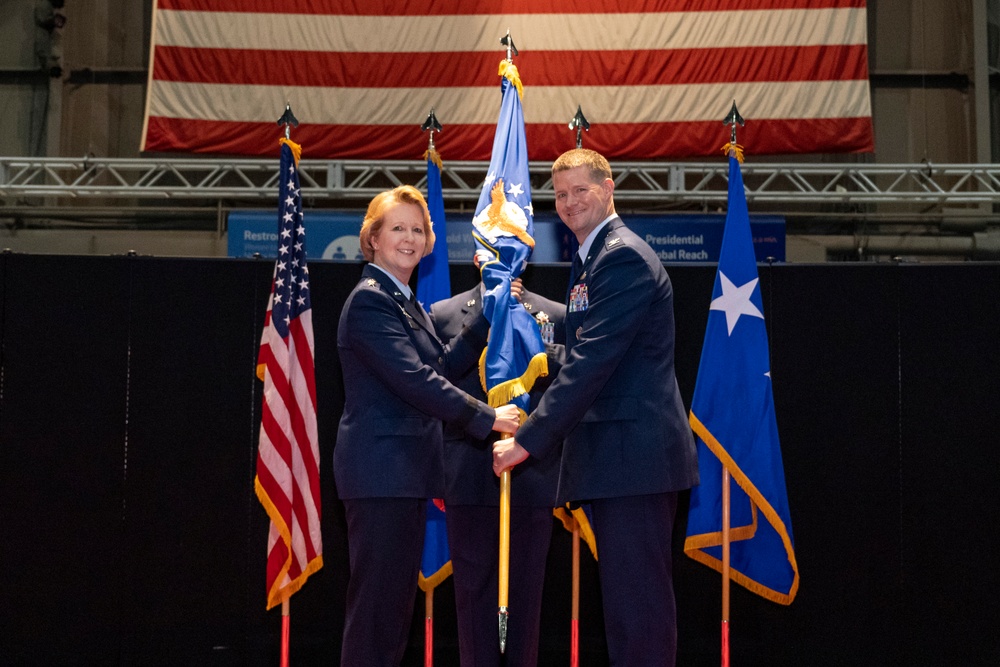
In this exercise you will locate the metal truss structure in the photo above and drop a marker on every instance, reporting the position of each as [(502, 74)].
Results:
[(838, 211), (920, 189)]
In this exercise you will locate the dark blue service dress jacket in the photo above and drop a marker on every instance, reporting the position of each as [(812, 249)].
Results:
[(615, 405), (390, 442)]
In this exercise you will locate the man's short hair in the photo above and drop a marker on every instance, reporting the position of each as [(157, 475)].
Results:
[(595, 163)]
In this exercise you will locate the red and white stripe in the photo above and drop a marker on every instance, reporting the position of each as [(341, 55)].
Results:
[(654, 77), (288, 457)]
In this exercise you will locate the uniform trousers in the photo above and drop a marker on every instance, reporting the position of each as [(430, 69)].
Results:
[(636, 571), (385, 541), (474, 543)]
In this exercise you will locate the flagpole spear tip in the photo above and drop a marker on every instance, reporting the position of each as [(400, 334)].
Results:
[(733, 149), (733, 118), (288, 119), (433, 125), (579, 123), (508, 41)]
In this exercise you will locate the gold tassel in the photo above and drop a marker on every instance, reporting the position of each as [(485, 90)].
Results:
[(508, 70), (735, 150), (432, 155)]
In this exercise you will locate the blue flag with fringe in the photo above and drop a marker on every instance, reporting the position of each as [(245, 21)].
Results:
[(434, 284), (504, 227), (732, 415)]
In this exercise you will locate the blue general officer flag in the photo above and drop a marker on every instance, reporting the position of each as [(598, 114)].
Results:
[(503, 226), (433, 281), (732, 415), (434, 284)]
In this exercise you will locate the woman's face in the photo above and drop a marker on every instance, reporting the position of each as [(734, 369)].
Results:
[(399, 244)]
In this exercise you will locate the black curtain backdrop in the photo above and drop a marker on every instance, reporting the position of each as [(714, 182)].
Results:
[(129, 412)]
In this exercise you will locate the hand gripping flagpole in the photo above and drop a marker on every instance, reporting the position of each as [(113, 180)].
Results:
[(503, 573), (287, 119), (732, 149)]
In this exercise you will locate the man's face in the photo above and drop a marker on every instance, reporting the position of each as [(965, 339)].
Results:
[(581, 203)]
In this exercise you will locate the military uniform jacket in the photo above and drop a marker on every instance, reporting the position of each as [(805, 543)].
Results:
[(615, 404), (390, 440), (468, 461)]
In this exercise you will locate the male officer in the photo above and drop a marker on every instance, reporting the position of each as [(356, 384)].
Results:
[(628, 448)]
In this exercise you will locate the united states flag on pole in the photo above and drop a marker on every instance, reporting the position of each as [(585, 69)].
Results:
[(287, 481), (652, 74)]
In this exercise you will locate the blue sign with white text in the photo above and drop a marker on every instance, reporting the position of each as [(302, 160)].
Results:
[(333, 235)]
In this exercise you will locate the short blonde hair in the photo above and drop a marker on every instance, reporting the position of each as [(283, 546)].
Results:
[(595, 163), (375, 216)]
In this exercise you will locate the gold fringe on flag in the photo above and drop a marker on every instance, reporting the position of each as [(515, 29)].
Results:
[(436, 579), (296, 149), (735, 150), (432, 155), (505, 392), (508, 70)]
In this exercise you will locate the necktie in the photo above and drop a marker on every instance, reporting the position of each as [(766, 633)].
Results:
[(424, 319)]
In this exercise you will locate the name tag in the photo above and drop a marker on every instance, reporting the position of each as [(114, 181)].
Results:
[(578, 298)]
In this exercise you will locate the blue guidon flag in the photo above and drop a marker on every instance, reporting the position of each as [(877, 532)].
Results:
[(434, 284), (503, 227), (732, 415)]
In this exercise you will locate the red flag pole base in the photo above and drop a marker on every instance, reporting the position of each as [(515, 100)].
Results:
[(574, 642), (429, 628), (285, 633), (725, 644)]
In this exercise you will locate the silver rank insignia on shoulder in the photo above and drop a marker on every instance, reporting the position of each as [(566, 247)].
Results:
[(613, 242), (545, 327), (371, 282), (527, 306), (470, 303)]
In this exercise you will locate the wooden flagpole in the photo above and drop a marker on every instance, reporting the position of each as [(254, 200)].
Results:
[(735, 150), (579, 123), (288, 120), (504, 569)]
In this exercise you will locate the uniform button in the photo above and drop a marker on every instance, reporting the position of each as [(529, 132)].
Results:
[(441, 360)]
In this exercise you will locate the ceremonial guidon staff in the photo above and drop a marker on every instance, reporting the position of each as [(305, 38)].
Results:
[(503, 227)]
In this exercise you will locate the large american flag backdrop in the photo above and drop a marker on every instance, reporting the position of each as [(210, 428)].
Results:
[(654, 77)]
